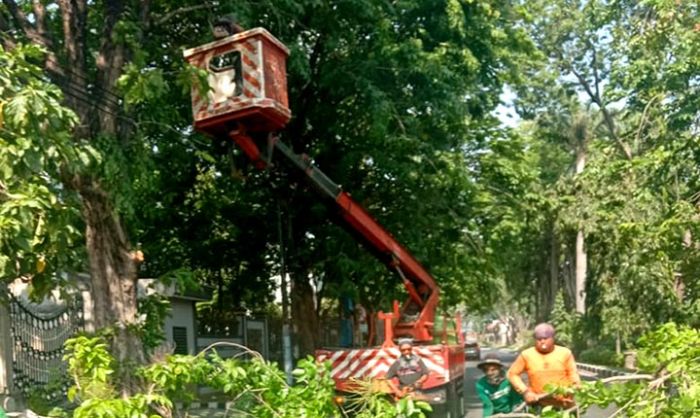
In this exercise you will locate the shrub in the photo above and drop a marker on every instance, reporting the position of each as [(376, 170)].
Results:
[(669, 388), (254, 387)]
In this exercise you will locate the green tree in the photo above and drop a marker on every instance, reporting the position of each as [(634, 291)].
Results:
[(400, 82), (635, 198), (39, 219), (87, 51), (386, 99)]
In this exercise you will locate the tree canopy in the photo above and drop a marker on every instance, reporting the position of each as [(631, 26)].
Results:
[(591, 194)]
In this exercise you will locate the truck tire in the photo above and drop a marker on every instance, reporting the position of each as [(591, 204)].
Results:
[(459, 398), (453, 401)]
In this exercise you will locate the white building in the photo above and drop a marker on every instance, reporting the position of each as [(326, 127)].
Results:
[(181, 325)]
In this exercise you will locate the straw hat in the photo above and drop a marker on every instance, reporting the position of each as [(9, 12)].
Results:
[(490, 359)]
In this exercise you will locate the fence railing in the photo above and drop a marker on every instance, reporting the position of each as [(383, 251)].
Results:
[(37, 345), (600, 372)]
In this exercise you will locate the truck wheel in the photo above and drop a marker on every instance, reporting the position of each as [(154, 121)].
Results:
[(453, 401), (459, 398)]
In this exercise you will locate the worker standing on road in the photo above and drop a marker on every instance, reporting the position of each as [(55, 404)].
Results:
[(408, 369), (545, 364), (494, 390)]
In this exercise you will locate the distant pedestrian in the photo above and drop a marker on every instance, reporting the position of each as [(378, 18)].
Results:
[(545, 364), (496, 394), (502, 333)]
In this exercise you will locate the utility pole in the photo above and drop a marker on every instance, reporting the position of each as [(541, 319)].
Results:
[(286, 335)]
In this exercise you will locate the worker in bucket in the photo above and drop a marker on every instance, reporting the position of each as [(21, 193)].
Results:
[(410, 371)]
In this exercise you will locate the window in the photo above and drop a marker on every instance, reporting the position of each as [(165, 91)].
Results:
[(180, 339), (225, 76)]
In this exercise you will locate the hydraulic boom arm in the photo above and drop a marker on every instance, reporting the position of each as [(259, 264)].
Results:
[(416, 317)]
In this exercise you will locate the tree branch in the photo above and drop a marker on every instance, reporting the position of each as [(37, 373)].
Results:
[(18, 15), (607, 117), (69, 46), (73, 17), (110, 61), (37, 34), (643, 120), (628, 377), (7, 42), (594, 64), (24, 24), (40, 17), (73, 78), (181, 10), (145, 14)]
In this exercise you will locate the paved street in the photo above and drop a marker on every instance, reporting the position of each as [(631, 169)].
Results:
[(507, 356)]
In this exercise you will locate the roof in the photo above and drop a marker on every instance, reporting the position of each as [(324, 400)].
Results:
[(148, 287)]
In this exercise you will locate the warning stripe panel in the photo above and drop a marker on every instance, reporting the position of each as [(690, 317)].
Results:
[(248, 93), (363, 358), (252, 79), (250, 46), (249, 62), (379, 363), (375, 362)]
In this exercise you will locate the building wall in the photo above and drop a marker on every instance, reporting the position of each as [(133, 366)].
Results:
[(182, 316)]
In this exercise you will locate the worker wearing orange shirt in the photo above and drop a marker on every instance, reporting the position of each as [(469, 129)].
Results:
[(545, 364)]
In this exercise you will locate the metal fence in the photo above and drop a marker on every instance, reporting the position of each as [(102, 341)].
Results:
[(37, 346)]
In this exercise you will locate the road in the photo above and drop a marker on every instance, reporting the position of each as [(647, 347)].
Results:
[(473, 404)]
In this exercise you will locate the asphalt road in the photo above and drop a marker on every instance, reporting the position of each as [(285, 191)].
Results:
[(473, 404)]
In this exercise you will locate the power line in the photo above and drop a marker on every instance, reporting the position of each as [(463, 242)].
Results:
[(130, 120), (49, 41), (115, 99), (135, 122)]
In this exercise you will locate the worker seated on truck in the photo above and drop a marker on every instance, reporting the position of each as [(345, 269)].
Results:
[(545, 364), (408, 369), (494, 390)]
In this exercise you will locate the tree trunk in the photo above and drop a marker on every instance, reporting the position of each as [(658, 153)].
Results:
[(581, 256), (304, 314), (570, 279), (542, 296), (63, 32), (112, 277), (553, 269), (581, 267)]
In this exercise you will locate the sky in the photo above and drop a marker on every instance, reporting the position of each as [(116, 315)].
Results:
[(505, 112)]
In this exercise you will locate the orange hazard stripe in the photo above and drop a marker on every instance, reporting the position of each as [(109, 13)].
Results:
[(250, 94), (252, 80), (249, 62), (250, 47)]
